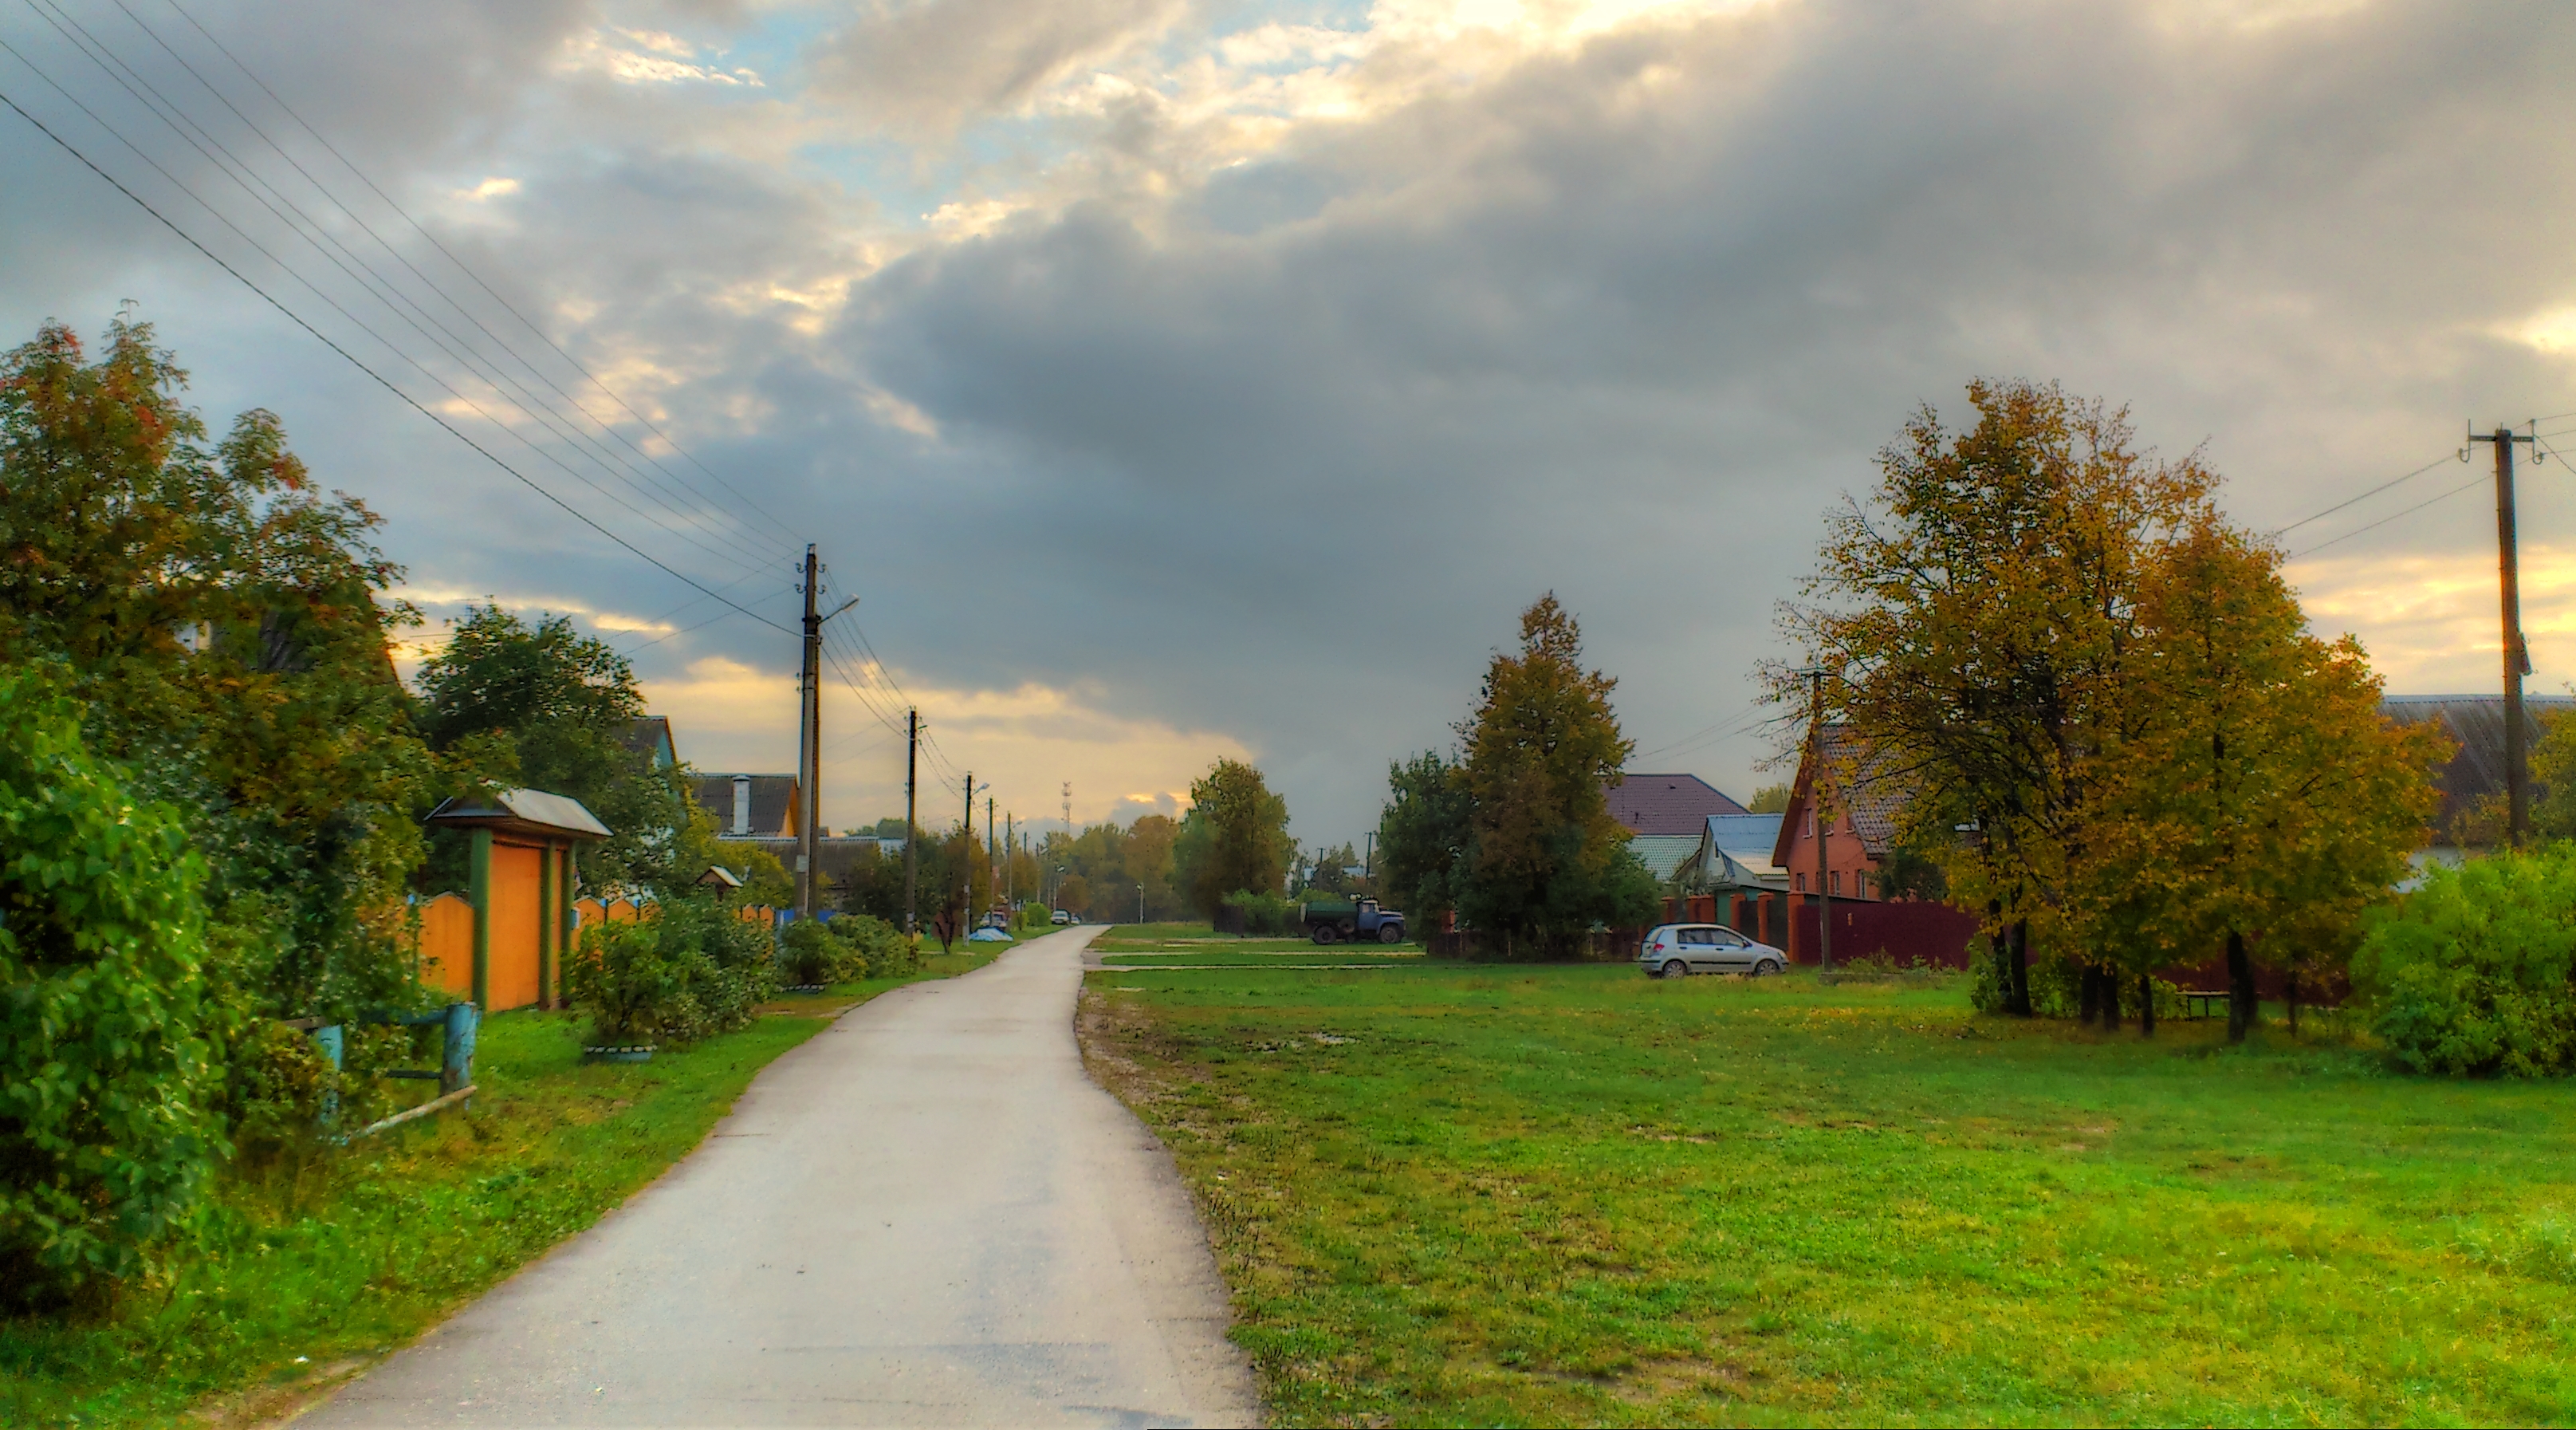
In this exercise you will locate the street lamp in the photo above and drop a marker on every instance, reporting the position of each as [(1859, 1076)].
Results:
[(1140, 903)]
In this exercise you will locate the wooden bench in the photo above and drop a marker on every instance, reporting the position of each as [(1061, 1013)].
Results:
[(2196, 1002)]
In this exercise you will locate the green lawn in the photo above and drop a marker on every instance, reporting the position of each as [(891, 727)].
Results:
[(304, 1282), (1461, 1195)]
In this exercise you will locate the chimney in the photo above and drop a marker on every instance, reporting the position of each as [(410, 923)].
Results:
[(741, 805)]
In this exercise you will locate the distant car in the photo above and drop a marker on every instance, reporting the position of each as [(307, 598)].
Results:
[(1677, 950), (1059, 917)]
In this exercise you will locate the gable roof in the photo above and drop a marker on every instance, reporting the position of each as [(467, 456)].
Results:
[(521, 811), (2476, 723), (1856, 789), (650, 736), (772, 798), (1666, 804)]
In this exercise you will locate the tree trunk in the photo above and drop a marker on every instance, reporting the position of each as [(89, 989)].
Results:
[(1999, 944), (2146, 1005), (2021, 968), (2240, 988), (2110, 1000)]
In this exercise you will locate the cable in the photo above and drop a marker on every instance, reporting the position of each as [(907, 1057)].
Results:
[(382, 288), (460, 266), (1675, 746), (2383, 521), (352, 359), (2365, 496)]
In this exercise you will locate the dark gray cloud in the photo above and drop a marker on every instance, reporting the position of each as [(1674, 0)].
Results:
[(1279, 449)]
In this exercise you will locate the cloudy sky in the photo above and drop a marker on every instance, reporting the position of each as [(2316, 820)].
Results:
[(1175, 378)]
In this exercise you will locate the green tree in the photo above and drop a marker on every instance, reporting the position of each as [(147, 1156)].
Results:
[(1549, 861), (2260, 802), (1426, 834), (106, 1073), (1981, 615), (1243, 844), (220, 618), (551, 709), (1770, 799)]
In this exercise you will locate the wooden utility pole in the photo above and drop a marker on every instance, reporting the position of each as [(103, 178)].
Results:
[(966, 867), (2517, 655), (809, 739), (911, 820)]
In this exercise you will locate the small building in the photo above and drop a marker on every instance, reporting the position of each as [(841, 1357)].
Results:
[(503, 947), (1735, 855), (650, 736)]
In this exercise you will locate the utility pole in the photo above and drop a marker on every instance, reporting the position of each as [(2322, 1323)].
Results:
[(809, 736), (992, 870), (2517, 655), (1010, 870), (1816, 812), (1068, 809), (967, 868), (911, 820)]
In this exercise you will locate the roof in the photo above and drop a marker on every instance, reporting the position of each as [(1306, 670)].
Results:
[(1854, 787), (1664, 853), (1666, 804), (773, 803), (833, 855), (2476, 723), (521, 811), (650, 736), (1747, 836)]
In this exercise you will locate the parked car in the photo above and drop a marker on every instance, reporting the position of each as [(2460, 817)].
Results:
[(1059, 917), (1677, 950)]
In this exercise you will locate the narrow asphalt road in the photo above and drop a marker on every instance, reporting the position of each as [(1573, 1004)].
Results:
[(926, 1215)]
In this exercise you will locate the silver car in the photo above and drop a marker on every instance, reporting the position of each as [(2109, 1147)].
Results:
[(1676, 950)]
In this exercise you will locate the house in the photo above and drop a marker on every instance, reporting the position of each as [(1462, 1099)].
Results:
[(1735, 852), (1666, 817), (751, 806), (2475, 774), (1859, 829), (650, 736)]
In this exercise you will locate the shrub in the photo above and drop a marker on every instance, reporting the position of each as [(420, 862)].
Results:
[(877, 949), (1263, 913), (808, 953), (105, 1067), (690, 972), (2469, 975)]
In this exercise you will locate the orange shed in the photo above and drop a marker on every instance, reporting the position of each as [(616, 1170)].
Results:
[(521, 893)]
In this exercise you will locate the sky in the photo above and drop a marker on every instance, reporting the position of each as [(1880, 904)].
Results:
[(1176, 379)]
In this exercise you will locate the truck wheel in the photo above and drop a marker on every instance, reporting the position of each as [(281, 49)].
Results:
[(1390, 933), (1324, 933)]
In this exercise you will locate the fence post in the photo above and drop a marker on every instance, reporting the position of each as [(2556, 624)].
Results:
[(481, 884), (456, 1050)]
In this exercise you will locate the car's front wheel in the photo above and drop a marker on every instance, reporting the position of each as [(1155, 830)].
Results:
[(1765, 968)]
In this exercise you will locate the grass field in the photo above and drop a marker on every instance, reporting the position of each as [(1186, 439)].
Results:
[(305, 1281), (1474, 1195)]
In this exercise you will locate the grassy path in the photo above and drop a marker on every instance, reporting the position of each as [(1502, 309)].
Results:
[(1452, 1195), (306, 1280)]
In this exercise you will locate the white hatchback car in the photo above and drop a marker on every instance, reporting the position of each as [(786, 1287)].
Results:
[(1676, 950)]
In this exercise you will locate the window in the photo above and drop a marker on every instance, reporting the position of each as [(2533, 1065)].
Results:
[(1838, 883), (1696, 938), (1801, 882)]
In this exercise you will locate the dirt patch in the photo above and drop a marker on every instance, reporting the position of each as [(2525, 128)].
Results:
[(277, 1403)]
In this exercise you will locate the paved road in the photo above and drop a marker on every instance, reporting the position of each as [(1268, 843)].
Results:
[(926, 1215)]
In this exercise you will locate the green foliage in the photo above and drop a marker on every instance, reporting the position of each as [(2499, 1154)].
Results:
[(876, 948), (808, 954), (765, 880), (1234, 839), (220, 616), (2469, 975), (1103, 866), (1424, 837), (1770, 799), (1548, 861), (106, 1064), (692, 971), (1271, 914), (548, 708)]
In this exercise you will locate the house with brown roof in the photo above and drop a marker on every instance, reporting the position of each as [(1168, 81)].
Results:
[(751, 806), (1859, 828), (1666, 816)]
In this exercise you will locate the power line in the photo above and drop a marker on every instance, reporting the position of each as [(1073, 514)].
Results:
[(408, 400), (461, 267), (2383, 521), (2365, 496), (381, 288)]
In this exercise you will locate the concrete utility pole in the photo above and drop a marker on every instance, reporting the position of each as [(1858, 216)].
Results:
[(1068, 809), (1010, 847), (1816, 813), (967, 870), (992, 866), (911, 820), (809, 737), (2517, 654)]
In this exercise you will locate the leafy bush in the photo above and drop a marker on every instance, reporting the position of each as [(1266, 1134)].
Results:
[(105, 1066), (877, 949), (2469, 975), (690, 972), (809, 954), (1262, 914)]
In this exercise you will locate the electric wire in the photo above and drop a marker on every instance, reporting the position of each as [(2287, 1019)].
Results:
[(476, 278), (374, 282), (2365, 496), (2383, 521), (354, 361)]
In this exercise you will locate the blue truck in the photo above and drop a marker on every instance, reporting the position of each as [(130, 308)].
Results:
[(1331, 920)]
